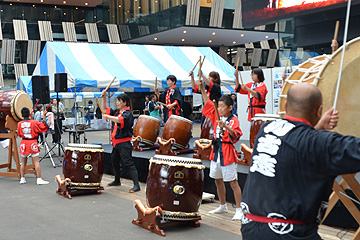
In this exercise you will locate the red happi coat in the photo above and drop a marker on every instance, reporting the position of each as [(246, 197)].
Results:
[(256, 105), (29, 130), (227, 150)]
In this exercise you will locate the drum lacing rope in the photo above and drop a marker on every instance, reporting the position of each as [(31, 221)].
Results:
[(354, 200)]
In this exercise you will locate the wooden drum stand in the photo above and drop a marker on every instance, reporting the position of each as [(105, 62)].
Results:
[(348, 180), (11, 124)]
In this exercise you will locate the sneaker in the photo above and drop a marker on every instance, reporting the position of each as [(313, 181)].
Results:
[(40, 181), (220, 209), (22, 180), (238, 215), (114, 183)]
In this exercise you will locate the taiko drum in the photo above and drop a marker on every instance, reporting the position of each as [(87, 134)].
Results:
[(178, 128), (147, 128), (11, 103), (256, 124), (207, 130), (176, 185), (83, 163)]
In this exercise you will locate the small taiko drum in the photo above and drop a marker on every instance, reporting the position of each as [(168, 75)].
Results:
[(11, 103), (207, 130), (256, 123), (176, 185), (178, 128), (83, 165), (147, 128)]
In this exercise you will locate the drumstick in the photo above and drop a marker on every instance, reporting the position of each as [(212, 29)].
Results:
[(336, 33), (195, 66), (199, 73), (99, 105), (162, 104), (49, 105), (286, 66), (34, 107), (217, 116), (343, 52), (107, 88), (155, 82), (237, 63)]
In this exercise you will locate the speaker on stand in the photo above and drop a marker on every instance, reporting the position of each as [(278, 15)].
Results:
[(60, 82), (40, 88)]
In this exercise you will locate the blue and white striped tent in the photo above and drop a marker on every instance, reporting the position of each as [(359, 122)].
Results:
[(92, 66)]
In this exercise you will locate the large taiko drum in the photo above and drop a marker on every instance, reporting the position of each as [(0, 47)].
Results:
[(323, 72), (84, 165), (11, 103), (207, 130), (178, 128), (147, 128), (176, 185), (256, 123)]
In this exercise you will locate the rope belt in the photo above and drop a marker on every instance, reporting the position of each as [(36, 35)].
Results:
[(263, 219)]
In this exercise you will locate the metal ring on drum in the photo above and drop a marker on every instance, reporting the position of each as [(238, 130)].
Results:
[(147, 128), (178, 128), (323, 71)]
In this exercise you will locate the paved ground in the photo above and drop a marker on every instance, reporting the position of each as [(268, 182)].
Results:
[(30, 211), (36, 212)]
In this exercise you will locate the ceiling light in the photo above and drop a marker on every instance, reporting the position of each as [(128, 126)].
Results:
[(234, 42), (10, 4), (213, 33), (76, 8), (155, 38), (41, 0), (139, 7), (64, 13), (210, 41), (44, 12), (183, 39), (119, 6), (55, 6), (33, 5), (266, 36), (242, 35), (64, 2), (86, 4), (184, 32)]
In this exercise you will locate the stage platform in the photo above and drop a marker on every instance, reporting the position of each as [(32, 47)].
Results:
[(141, 161)]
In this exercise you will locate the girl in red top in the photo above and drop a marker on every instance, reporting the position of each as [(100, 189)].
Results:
[(28, 130), (223, 167), (255, 90)]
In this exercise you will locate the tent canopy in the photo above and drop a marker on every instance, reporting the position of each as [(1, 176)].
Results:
[(92, 66)]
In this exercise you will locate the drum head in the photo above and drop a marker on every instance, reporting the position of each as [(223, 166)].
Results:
[(145, 117), (323, 71), (20, 100)]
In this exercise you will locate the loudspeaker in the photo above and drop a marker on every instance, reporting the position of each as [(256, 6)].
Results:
[(40, 87), (60, 82)]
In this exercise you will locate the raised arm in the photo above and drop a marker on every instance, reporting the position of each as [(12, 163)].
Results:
[(103, 100), (203, 92), (206, 80), (236, 73), (192, 79)]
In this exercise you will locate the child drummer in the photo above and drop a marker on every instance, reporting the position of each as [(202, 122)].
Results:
[(224, 155), (28, 130)]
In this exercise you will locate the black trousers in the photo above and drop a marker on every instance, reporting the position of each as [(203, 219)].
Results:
[(122, 157)]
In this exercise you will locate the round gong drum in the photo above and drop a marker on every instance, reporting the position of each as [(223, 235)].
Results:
[(323, 72), (256, 123), (84, 163), (11, 103), (207, 130), (176, 185), (178, 128), (147, 128)]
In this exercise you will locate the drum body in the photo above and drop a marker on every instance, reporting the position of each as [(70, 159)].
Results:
[(83, 163), (256, 124), (178, 128), (207, 130), (323, 72), (11, 103), (147, 128), (176, 185)]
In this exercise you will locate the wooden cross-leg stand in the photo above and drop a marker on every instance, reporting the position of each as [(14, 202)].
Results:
[(340, 194), (11, 124)]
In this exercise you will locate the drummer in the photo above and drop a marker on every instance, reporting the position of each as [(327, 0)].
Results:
[(121, 136), (212, 87), (172, 97), (223, 167), (255, 90)]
